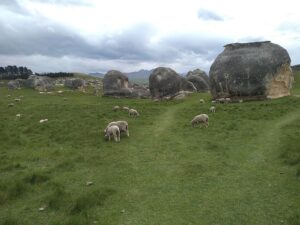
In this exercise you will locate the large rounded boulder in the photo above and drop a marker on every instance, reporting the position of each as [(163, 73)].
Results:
[(166, 83), (75, 83), (116, 83), (40, 83), (257, 69), (200, 80)]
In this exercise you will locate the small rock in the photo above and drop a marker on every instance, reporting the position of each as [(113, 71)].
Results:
[(11, 104), (8, 96), (59, 92), (88, 183), (123, 211), (18, 115), (42, 209)]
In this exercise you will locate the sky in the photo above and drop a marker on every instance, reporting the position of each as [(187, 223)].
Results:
[(129, 35)]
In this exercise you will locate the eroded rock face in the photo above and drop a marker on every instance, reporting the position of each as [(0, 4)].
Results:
[(251, 69), (200, 80), (40, 83), (75, 83), (15, 84), (116, 83), (165, 83)]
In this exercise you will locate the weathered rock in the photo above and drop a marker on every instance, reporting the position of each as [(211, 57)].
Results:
[(40, 83), (15, 84), (200, 79), (165, 83), (257, 69), (75, 83), (116, 83)]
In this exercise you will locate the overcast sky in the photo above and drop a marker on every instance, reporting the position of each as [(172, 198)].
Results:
[(128, 35)]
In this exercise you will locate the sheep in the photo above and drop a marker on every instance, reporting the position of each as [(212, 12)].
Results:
[(227, 100), (133, 112), (43, 120), (11, 104), (123, 126), (116, 108), (212, 109), (113, 131), (220, 100), (126, 108), (213, 102), (18, 115), (202, 118), (17, 100), (202, 101)]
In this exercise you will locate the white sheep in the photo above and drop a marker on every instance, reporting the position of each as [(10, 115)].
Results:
[(133, 112), (213, 102), (17, 100), (212, 109), (11, 104), (202, 101), (43, 120), (123, 126), (126, 108), (227, 100), (202, 118), (18, 115), (113, 131), (116, 108)]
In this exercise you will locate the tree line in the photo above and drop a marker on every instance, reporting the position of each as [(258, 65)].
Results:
[(14, 72), (21, 72)]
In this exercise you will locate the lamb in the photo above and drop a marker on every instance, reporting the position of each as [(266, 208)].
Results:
[(212, 109), (113, 131), (202, 118), (202, 101), (133, 112), (123, 126), (116, 108)]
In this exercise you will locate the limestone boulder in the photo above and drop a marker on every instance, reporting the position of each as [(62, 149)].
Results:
[(200, 80), (165, 83), (257, 69), (40, 83)]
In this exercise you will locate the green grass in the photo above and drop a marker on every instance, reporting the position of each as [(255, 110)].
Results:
[(243, 169)]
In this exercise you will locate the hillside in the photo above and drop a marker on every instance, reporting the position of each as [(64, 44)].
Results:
[(243, 169)]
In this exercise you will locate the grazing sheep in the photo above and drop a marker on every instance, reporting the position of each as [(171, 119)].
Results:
[(241, 101), (59, 92), (126, 108), (212, 109), (8, 96), (113, 131), (116, 108), (213, 102), (43, 120), (227, 100), (123, 126), (202, 118), (11, 104), (17, 100), (133, 112), (202, 101), (18, 115)]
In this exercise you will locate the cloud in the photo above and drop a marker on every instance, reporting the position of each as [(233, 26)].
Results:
[(205, 14)]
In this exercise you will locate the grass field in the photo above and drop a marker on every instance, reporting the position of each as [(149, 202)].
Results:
[(243, 169)]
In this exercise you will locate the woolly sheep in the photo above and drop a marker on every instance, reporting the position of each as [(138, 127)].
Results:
[(113, 131), (227, 100), (202, 118), (213, 102), (133, 112), (202, 101), (17, 100), (123, 126), (11, 104), (18, 115), (126, 108), (43, 120), (116, 108), (212, 109)]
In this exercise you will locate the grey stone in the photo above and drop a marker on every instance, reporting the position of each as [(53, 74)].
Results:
[(115, 83), (165, 83), (40, 83), (75, 83), (200, 80), (257, 69)]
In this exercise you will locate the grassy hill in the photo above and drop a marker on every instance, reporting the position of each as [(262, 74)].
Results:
[(243, 169)]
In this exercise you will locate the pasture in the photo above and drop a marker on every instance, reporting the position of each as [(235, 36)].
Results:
[(243, 169)]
